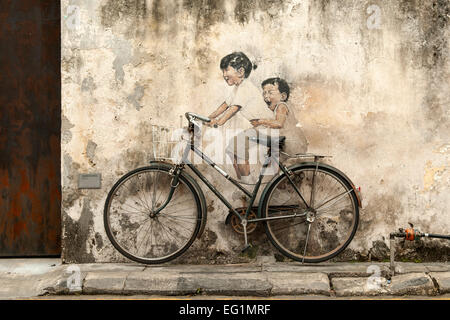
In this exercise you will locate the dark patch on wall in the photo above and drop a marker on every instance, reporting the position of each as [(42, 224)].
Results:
[(116, 10), (70, 191), (424, 250), (157, 12), (349, 255), (432, 20), (88, 85), (136, 97), (245, 9), (90, 152), (207, 12), (201, 252), (384, 208), (211, 207), (98, 240), (76, 236), (72, 63), (379, 251)]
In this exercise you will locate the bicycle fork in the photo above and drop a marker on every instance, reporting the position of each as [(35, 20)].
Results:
[(175, 173)]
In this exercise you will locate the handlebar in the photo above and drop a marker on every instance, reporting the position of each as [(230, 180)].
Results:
[(190, 116)]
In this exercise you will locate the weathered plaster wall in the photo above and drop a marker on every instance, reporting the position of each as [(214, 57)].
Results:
[(371, 88)]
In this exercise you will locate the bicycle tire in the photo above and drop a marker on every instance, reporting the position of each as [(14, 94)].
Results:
[(168, 243), (316, 236)]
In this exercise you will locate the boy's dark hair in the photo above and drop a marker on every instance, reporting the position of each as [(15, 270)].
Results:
[(283, 87), (237, 60)]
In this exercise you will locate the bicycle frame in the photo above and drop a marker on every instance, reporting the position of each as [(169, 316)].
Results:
[(190, 146)]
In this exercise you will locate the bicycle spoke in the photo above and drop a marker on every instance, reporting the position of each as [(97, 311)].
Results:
[(174, 221), (325, 186), (139, 192), (142, 191), (289, 225), (164, 215), (146, 234), (338, 196), (306, 243), (154, 201), (140, 200), (165, 228)]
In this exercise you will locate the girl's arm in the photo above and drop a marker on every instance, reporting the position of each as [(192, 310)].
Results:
[(231, 111), (221, 109), (276, 123)]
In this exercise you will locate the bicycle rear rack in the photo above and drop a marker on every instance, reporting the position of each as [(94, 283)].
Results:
[(304, 155)]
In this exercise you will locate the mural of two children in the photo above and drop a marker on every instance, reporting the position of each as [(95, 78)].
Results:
[(243, 108)]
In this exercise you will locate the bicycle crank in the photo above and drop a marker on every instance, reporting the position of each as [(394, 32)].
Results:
[(236, 224)]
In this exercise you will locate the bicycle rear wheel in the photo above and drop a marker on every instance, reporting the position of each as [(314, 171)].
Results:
[(313, 235), (132, 227)]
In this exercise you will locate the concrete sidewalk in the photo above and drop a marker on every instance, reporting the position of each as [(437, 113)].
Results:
[(22, 278)]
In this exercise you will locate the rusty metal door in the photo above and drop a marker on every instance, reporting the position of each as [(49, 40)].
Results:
[(30, 122)]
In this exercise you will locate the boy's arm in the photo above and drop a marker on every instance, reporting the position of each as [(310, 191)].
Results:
[(276, 123)]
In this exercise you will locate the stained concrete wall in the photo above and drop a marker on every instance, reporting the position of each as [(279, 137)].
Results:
[(369, 82)]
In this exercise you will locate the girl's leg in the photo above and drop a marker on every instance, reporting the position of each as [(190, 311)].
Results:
[(244, 168)]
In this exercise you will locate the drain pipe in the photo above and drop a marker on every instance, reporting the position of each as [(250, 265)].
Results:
[(392, 237)]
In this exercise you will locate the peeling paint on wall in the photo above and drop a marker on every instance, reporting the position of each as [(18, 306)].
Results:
[(432, 176)]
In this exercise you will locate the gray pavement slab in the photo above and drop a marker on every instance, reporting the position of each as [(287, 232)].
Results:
[(107, 267), (411, 284), (409, 267), (366, 286), (30, 266), (230, 268), (296, 283), (438, 267), (362, 269), (237, 284), (155, 283), (443, 281), (107, 283)]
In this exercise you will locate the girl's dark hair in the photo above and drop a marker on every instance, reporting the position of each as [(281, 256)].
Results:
[(283, 87), (237, 60)]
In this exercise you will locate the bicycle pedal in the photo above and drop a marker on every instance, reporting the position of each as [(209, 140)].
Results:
[(246, 248)]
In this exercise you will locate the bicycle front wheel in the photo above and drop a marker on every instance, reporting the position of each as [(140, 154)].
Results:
[(319, 233), (134, 229)]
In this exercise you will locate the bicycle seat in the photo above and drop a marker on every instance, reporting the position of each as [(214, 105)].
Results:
[(269, 141)]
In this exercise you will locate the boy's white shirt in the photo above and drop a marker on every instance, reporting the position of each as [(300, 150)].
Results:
[(252, 105)]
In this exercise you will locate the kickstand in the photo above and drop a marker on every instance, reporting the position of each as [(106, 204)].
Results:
[(247, 245)]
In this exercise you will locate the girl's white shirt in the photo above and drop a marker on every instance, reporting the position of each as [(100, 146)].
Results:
[(252, 104)]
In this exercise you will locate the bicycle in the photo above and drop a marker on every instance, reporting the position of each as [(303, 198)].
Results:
[(310, 210)]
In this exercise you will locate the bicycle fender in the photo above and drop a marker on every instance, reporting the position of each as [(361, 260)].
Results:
[(196, 187)]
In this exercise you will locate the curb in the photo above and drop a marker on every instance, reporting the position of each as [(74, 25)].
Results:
[(263, 280)]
